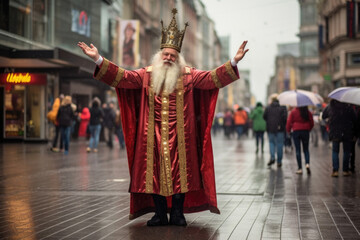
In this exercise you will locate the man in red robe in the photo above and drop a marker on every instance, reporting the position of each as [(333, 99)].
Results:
[(167, 111)]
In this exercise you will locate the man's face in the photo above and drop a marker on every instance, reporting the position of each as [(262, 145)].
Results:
[(169, 56)]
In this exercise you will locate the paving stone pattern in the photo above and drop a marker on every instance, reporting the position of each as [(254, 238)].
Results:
[(46, 195)]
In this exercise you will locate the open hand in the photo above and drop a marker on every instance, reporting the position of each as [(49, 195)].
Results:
[(91, 51), (241, 52)]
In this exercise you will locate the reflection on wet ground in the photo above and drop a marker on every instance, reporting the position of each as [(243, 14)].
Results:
[(46, 195)]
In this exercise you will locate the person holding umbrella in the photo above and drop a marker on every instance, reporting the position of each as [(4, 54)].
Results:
[(300, 121), (342, 126)]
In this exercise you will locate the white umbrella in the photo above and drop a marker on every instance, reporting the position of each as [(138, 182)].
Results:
[(299, 98), (346, 94)]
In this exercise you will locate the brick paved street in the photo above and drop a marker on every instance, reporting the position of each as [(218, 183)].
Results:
[(46, 195)]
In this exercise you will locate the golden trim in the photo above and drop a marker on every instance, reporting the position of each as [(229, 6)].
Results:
[(149, 69), (103, 69), (150, 144), (166, 186), (181, 135), (230, 71), (119, 76), (187, 70), (215, 79)]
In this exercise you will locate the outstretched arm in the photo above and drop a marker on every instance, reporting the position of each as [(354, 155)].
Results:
[(91, 51), (241, 52)]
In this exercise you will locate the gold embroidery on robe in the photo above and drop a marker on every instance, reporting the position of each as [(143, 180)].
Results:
[(150, 143), (103, 69), (119, 76), (181, 135), (230, 71), (215, 79), (166, 187)]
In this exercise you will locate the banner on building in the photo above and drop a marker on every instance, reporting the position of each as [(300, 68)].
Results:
[(129, 43), (80, 22), (350, 19)]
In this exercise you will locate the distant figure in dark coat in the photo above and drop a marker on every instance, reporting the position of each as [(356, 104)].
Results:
[(342, 127), (275, 117)]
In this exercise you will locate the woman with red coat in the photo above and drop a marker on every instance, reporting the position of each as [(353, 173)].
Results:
[(84, 121), (300, 121)]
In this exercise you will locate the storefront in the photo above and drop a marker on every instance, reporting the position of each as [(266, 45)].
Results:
[(24, 98)]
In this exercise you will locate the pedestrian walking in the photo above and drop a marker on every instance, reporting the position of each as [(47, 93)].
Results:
[(353, 143), (259, 125), (342, 127), (228, 123), (240, 120), (96, 118), (52, 117), (109, 124), (300, 122), (167, 111), (275, 117), (65, 118), (84, 122)]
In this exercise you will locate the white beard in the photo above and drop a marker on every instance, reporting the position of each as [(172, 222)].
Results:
[(165, 76)]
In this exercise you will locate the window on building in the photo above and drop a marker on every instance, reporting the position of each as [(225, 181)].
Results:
[(353, 59), (336, 64), (308, 14), (20, 17), (40, 20), (309, 47)]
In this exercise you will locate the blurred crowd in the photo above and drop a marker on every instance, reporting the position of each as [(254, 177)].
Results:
[(289, 129), (292, 129), (98, 122)]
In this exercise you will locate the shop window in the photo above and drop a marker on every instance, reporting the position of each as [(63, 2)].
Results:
[(14, 112)]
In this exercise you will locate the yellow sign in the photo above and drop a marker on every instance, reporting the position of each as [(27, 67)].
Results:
[(18, 78)]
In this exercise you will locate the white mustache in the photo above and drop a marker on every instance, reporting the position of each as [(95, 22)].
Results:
[(168, 61)]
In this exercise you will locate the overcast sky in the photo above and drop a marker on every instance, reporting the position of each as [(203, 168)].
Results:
[(264, 23)]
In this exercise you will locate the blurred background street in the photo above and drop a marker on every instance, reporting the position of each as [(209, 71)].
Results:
[(51, 190)]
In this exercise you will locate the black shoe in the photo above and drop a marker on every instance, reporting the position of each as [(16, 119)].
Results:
[(156, 220), (177, 219), (160, 218), (271, 162), (279, 165)]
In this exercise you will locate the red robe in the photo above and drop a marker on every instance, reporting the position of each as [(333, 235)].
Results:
[(168, 137)]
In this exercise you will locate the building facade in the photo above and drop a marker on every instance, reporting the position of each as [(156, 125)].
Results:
[(39, 57), (309, 51), (339, 43)]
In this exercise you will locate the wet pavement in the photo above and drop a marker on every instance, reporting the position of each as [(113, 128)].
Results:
[(46, 195)]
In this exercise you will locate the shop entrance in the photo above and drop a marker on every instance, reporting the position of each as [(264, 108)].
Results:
[(23, 106), (14, 112)]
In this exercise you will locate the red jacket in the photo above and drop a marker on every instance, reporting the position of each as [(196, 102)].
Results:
[(296, 123)]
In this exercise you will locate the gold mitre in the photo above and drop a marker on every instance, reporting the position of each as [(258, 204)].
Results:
[(171, 37)]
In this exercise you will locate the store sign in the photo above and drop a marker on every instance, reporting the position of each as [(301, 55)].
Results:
[(23, 79)]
